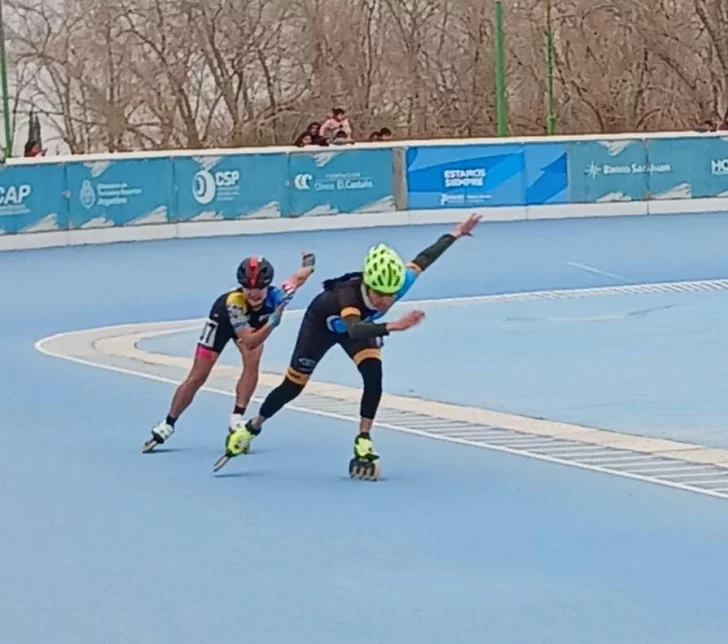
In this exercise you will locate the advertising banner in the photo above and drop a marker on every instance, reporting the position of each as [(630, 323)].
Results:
[(465, 176), (128, 192), (32, 198), (332, 181), (236, 186), (608, 170)]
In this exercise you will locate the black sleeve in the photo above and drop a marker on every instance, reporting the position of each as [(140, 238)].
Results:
[(428, 256), (359, 330), (351, 314)]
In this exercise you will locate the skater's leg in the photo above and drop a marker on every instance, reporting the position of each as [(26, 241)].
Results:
[(183, 396), (248, 380), (368, 359), (215, 335), (239, 436), (369, 363), (367, 356), (284, 393), (199, 373), (312, 343)]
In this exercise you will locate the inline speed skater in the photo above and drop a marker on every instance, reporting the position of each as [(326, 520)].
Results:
[(346, 313), (247, 315)]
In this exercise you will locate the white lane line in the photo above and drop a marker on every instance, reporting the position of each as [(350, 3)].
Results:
[(96, 346), (596, 271)]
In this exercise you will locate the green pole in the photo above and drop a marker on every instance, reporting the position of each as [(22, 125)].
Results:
[(500, 72), (551, 115), (4, 80)]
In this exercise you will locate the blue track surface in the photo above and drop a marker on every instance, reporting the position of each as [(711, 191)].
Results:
[(459, 545), (652, 365)]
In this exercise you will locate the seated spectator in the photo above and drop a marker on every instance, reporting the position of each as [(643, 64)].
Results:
[(341, 138), (374, 136), (33, 149), (314, 129), (303, 140), (385, 134), (337, 122)]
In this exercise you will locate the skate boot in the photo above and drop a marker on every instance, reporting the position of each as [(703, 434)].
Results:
[(160, 434), (238, 440), (365, 464)]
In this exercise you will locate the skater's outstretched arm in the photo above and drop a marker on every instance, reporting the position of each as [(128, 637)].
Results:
[(359, 330), (432, 253), (298, 279)]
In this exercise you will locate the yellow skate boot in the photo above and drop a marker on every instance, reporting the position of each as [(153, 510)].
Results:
[(365, 464), (238, 440)]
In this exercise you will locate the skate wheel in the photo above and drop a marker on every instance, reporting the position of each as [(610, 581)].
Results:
[(364, 470)]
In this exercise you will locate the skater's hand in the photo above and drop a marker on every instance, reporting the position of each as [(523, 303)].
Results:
[(308, 260), (275, 318), (308, 265), (289, 290), (464, 228), (407, 321)]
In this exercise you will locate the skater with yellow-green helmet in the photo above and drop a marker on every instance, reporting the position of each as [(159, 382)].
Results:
[(346, 313)]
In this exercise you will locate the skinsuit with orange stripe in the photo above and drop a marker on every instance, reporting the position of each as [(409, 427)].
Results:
[(341, 314)]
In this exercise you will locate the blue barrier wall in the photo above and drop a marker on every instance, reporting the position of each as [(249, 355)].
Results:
[(236, 186), (331, 183), (486, 175), (130, 190)]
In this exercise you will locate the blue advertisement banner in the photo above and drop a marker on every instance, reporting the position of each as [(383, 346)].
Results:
[(238, 186), (546, 174), (607, 170), (684, 173), (330, 182), (709, 160), (32, 198), (465, 176), (118, 191), (128, 192)]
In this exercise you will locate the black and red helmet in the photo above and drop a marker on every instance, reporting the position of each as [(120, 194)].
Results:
[(255, 272)]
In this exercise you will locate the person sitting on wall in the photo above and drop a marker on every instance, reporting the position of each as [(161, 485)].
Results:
[(303, 140), (337, 122), (341, 138), (33, 149), (314, 129)]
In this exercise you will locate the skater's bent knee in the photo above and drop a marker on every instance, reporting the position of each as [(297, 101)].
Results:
[(279, 397), (371, 373), (251, 357), (196, 379), (288, 389), (250, 375), (365, 355), (297, 377)]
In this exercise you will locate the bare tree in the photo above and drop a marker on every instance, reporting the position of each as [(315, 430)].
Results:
[(146, 74)]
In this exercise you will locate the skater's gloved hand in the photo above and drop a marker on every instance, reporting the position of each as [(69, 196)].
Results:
[(275, 318), (308, 260)]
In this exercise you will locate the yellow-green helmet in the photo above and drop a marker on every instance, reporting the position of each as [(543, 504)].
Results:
[(384, 270)]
